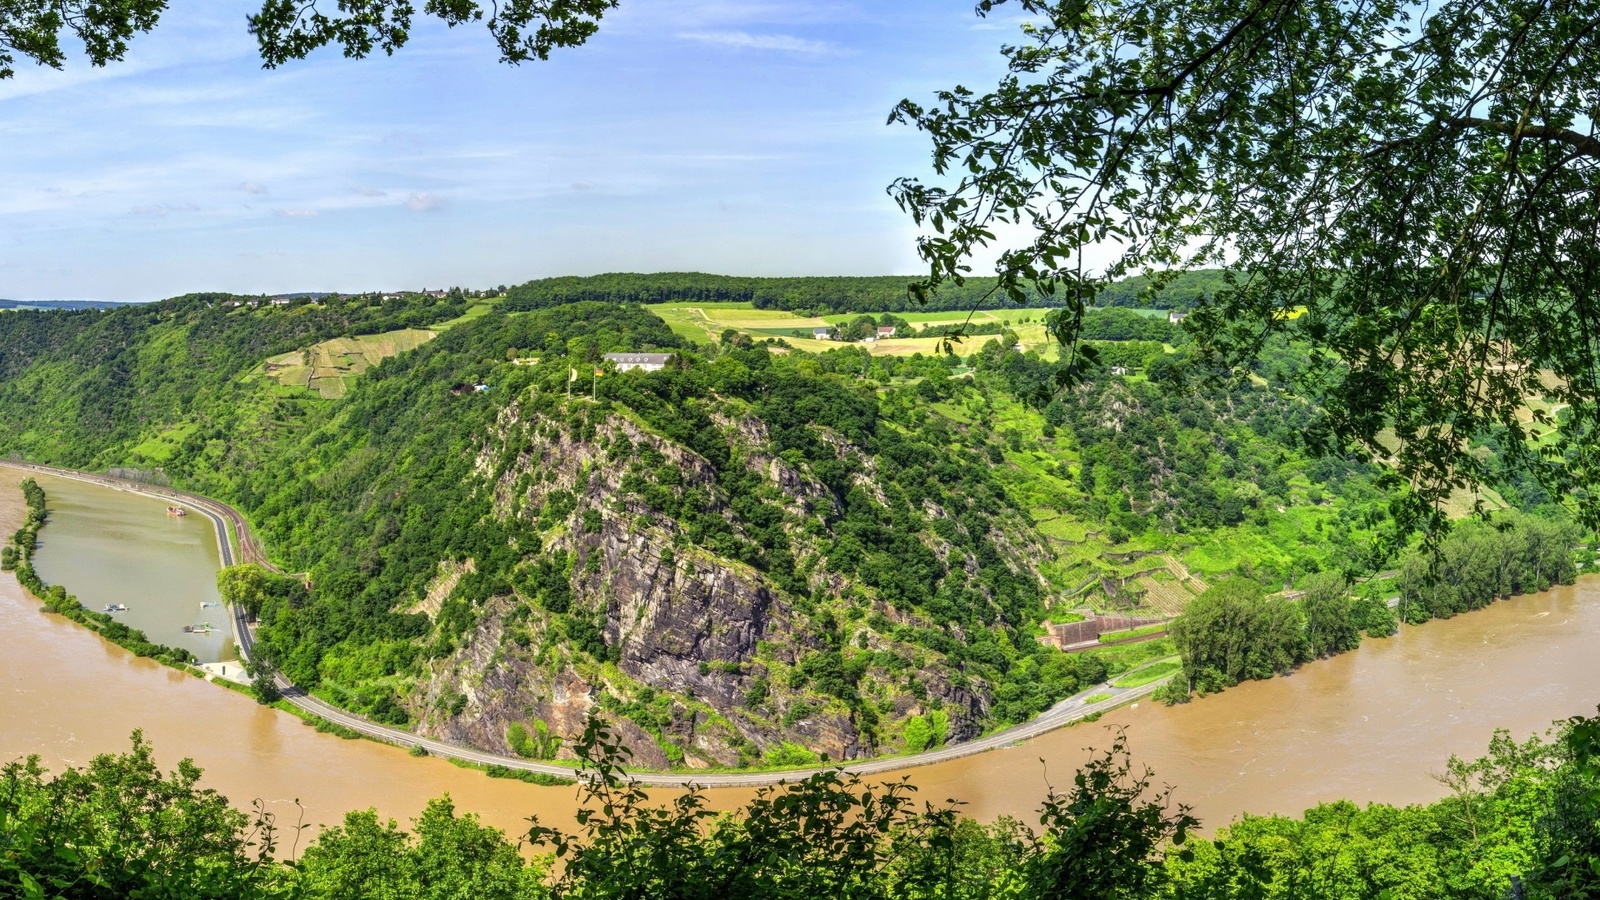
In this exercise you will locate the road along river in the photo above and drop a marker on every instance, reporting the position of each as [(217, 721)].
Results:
[(1369, 726)]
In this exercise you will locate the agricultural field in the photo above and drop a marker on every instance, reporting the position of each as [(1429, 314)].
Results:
[(705, 322), (329, 367)]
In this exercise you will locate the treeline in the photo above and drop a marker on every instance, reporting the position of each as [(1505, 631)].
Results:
[(1520, 822), (814, 295), (1234, 632), (1481, 562), (74, 385), (18, 557)]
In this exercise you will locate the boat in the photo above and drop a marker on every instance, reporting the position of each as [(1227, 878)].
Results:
[(202, 628), (177, 511), (207, 604), (115, 607)]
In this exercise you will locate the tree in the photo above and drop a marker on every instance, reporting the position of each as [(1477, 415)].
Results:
[(264, 682), (1330, 614), (120, 827), (1232, 632), (291, 29), (1412, 188), (449, 856)]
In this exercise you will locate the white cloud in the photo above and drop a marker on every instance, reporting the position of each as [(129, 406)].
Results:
[(298, 213), (370, 192), (251, 187), (424, 202), (162, 210), (748, 41)]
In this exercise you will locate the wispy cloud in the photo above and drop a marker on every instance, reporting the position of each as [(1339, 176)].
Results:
[(252, 187), (370, 192), (745, 40), (298, 213), (162, 210), (424, 202)]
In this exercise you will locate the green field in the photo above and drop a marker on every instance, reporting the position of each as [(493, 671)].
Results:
[(1117, 637), (330, 367), (704, 323), (1156, 672)]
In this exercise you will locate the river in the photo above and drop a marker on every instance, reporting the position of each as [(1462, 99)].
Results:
[(109, 546), (1372, 725)]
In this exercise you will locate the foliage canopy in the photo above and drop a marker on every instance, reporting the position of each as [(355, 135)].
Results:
[(286, 30), (1420, 179)]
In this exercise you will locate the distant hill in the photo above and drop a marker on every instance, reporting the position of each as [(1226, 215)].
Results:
[(60, 304), (818, 295)]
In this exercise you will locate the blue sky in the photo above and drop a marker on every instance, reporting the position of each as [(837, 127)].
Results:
[(711, 135)]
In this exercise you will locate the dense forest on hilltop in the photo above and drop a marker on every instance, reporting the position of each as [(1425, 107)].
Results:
[(755, 556), (101, 378), (813, 295)]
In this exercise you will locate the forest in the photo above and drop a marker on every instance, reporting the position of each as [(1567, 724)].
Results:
[(831, 295), (889, 537)]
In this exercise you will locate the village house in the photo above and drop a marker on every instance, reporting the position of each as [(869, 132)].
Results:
[(822, 334), (649, 362), (886, 331), (1175, 316), (280, 301)]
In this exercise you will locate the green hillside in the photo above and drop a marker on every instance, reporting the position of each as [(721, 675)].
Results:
[(756, 556)]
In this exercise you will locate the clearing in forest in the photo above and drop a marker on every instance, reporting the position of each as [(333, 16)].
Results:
[(330, 367), (704, 323)]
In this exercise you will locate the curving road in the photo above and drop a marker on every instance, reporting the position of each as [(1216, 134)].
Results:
[(225, 517)]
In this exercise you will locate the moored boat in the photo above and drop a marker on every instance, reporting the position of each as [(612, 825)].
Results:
[(114, 607)]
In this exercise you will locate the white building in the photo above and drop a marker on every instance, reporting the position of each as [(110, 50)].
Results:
[(1175, 317), (649, 362), (822, 334)]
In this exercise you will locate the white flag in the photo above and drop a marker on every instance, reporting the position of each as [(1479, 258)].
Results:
[(573, 376)]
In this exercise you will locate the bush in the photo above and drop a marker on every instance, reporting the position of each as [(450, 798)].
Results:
[(789, 754)]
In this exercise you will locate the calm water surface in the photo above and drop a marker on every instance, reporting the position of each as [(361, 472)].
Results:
[(109, 546), (1372, 725)]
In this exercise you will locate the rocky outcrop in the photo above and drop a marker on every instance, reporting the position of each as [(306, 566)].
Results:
[(699, 658)]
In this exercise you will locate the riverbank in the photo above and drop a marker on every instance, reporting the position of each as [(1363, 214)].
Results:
[(1370, 725), (1070, 710)]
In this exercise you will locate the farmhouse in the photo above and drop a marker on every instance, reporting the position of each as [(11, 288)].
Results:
[(822, 334), (886, 331), (1175, 316), (649, 362)]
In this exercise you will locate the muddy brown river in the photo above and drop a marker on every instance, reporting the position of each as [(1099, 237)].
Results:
[(1372, 725)]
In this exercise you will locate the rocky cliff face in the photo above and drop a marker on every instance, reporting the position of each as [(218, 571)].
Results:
[(700, 657)]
